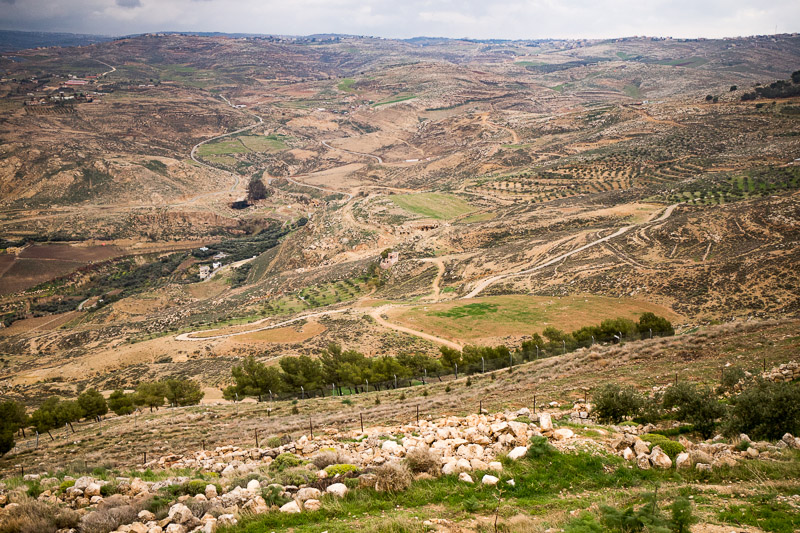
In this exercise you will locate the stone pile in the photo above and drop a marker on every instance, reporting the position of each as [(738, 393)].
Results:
[(786, 372)]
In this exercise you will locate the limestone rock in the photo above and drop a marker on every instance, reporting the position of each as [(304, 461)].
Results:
[(518, 452), (308, 493), (660, 459), (563, 433), (312, 505), (489, 480), (180, 514), (466, 478), (683, 461), (497, 466), (545, 422), (643, 461), (290, 507), (229, 520), (628, 454)]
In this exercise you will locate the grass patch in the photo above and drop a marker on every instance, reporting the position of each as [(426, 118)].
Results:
[(395, 99), (436, 205), (346, 85), (476, 309)]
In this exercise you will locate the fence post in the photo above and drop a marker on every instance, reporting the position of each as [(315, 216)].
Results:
[(418, 414), (534, 404), (456, 365), (311, 428), (480, 407), (37, 439), (255, 431), (765, 364), (676, 379), (483, 366), (144, 458), (204, 444)]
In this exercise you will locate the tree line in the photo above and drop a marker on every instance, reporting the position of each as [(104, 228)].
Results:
[(337, 369), (56, 412)]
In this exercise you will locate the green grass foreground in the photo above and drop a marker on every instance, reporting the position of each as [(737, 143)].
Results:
[(545, 484)]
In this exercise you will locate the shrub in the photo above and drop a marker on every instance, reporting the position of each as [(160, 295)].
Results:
[(392, 477), (682, 516), (766, 410), (539, 447), (197, 486), (325, 458), (420, 459), (742, 446), (30, 517), (106, 518), (296, 476), (286, 460), (731, 376), (34, 490), (66, 484), (696, 405), (340, 469), (273, 495), (613, 403), (669, 447)]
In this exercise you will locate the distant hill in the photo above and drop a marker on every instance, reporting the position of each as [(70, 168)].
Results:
[(11, 41)]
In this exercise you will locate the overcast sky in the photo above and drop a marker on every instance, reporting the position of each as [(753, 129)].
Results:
[(508, 19)]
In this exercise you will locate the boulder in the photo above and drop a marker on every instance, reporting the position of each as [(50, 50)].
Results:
[(563, 433), (337, 489), (702, 467), (518, 452), (175, 528), (93, 489), (489, 480), (256, 506), (660, 459), (752, 452), (229, 520), (308, 493), (497, 466), (81, 483), (643, 462), (628, 454), (545, 422), (699, 456), (290, 507), (137, 527), (466, 478), (253, 485), (312, 505), (683, 461), (180, 514), (640, 447), (139, 487), (146, 516), (158, 529)]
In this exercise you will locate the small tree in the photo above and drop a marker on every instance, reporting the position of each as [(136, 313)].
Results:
[(682, 517), (253, 378), (183, 392), (150, 395), (699, 406), (121, 403), (93, 404), (613, 403), (766, 410), (44, 418), (657, 324)]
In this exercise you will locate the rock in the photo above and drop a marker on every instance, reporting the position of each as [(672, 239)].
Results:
[(702, 467), (466, 478), (175, 528), (230, 520), (146, 516), (563, 433), (390, 446), (545, 422), (660, 459), (139, 487), (156, 529), (92, 490), (743, 437), (229, 470), (683, 461), (81, 483), (337, 489), (256, 506), (643, 462), (497, 466), (290, 507), (511, 483), (137, 527), (308, 493), (253, 485), (639, 447), (312, 505), (628, 454), (180, 514), (489, 480), (699, 456), (524, 412), (211, 492), (518, 452), (752, 452)]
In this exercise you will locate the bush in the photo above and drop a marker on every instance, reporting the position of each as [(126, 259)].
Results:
[(197, 486), (298, 475), (731, 376), (30, 517), (107, 518), (766, 410), (420, 459), (613, 403), (696, 405), (669, 447), (539, 447), (34, 490), (392, 477), (273, 495), (286, 460), (66, 484), (340, 469)]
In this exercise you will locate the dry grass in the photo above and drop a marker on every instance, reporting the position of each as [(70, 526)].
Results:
[(421, 460), (392, 477)]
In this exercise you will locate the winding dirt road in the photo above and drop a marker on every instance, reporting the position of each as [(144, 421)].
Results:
[(375, 157)]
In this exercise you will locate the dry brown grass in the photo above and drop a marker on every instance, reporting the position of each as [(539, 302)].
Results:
[(421, 460), (392, 477), (33, 516)]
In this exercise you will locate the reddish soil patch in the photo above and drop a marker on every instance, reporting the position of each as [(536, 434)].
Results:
[(66, 252), (6, 260), (25, 273)]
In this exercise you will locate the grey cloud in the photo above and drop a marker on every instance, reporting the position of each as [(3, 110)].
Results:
[(129, 3)]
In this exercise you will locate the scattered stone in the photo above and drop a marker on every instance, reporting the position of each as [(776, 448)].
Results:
[(337, 489), (466, 478), (518, 452), (489, 480), (290, 507)]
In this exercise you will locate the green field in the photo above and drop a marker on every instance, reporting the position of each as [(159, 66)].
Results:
[(684, 62), (395, 99), (346, 85), (632, 91), (244, 144), (436, 205), (481, 320)]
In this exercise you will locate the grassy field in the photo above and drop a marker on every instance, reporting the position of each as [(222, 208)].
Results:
[(346, 85), (434, 205), (243, 144), (684, 62), (481, 320), (395, 99)]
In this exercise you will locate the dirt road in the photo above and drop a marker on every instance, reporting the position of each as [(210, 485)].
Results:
[(378, 311)]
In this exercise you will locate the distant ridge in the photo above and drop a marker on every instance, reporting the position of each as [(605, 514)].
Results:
[(11, 40)]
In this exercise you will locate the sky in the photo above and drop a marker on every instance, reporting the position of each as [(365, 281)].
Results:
[(501, 19)]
